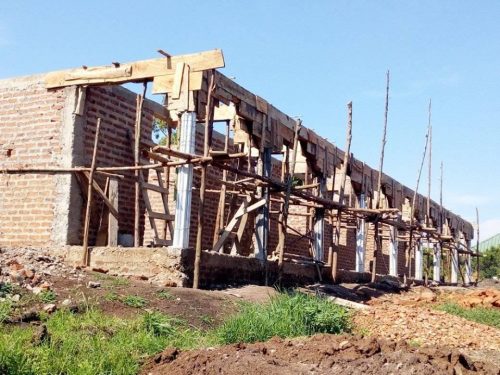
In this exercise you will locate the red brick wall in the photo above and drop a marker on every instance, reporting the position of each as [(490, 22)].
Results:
[(30, 119), (116, 107)]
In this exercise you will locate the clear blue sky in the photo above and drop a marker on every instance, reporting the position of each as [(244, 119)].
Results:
[(309, 58)]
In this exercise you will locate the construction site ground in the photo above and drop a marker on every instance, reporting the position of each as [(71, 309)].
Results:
[(398, 330)]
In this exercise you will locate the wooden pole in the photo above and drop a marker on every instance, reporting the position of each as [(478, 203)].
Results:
[(85, 258), (289, 182), (347, 154), (378, 244), (477, 246), (166, 170), (201, 206), (428, 218), (137, 144), (441, 216), (412, 216), (219, 220)]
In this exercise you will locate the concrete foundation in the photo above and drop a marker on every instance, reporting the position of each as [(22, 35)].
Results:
[(170, 266)]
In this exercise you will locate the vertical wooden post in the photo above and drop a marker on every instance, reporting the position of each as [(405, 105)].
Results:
[(378, 245), (284, 214), (410, 243), (262, 217), (137, 144), (428, 218), (219, 220), (201, 206), (343, 174), (477, 246), (166, 170), (85, 258)]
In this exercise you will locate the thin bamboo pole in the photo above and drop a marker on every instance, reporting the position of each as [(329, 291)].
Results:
[(378, 245), (137, 145), (347, 154), (289, 182), (410, 244), (427, 223), (477, 246), (85, 258), (219, 220)]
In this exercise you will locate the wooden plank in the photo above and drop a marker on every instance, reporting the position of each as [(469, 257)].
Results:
[(86, 228), (113, 220), (165, 84), (102, 231), (161, 242), (101, 193), (179, 73), (164, 198), (229, 227), (134, 71), (154, 187), (161, 216)]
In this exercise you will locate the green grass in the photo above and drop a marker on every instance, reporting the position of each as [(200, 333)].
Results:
[(488, 316), (47, 296), (287, 315), (95, 343), (110, 280), (91, 343), (134, 301), (5, 310), (165, 294)]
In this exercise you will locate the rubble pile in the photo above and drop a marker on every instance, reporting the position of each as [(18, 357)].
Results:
[(32, 269)]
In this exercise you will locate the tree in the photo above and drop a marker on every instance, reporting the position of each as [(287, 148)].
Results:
[(160, 132), (489, 263)]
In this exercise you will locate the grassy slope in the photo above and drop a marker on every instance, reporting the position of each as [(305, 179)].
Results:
[(95, 343)]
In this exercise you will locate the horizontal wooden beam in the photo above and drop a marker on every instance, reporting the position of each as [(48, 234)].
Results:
[(145, 70)]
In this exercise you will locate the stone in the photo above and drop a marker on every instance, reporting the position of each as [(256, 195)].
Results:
[(93, 284), (50, 308), (29, 274), (66, 302)]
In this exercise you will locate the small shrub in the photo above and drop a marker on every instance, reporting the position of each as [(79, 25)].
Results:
[(112, 297), (166, 295), (134, 301), (5, 310), (159, 324), (287, 315), (47, 296), (5, 288), (120, 281)]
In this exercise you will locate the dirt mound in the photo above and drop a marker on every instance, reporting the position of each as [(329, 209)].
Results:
[(320, 354), (483, 298), (426, 326)]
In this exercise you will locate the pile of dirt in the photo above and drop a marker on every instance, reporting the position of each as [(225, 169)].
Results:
[(483, 298), (320, 354)]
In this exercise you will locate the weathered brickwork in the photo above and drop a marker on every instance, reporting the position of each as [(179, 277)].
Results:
[(30, 120)]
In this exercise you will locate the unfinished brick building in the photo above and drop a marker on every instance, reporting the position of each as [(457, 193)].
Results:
[(279, 201)]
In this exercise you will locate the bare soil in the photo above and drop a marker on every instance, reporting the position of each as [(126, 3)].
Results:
[(320, 354), (419, 338)]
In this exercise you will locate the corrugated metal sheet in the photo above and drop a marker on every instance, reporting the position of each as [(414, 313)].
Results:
[(490, 242)]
